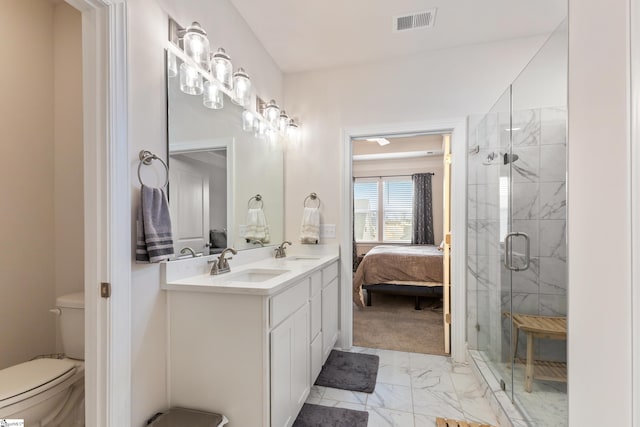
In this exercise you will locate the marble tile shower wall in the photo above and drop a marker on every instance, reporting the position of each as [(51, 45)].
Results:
[(538, 208)]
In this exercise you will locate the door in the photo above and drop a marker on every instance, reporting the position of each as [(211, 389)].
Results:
[(189, 203), (446, 280)]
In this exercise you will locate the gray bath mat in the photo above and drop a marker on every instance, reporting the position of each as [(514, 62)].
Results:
[(328, 416), (350, 371)]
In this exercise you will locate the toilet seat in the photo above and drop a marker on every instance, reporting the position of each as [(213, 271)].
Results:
[(28, 379)]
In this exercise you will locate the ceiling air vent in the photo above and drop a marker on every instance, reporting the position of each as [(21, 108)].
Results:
[(414, 21)]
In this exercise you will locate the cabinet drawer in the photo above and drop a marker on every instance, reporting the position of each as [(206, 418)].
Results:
[(287, 302), (316, 283), (329, 273), (316, 314)]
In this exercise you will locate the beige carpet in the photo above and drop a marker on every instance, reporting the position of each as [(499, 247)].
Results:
[(392, 323)]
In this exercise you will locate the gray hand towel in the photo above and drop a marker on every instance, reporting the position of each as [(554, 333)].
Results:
[(154, 237)]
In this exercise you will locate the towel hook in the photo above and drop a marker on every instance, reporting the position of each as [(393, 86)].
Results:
[(312, 196), (146, 157), (257, 198)]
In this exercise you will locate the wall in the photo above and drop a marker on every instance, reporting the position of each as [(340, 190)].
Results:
[(438, 85), (599, 215), (26, 181), (147, 29), (68, 156)]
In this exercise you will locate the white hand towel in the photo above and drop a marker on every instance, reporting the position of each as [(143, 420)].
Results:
[(154, 236), (256, 227), (310, 228)]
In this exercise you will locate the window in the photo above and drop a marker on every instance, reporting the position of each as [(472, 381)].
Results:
[(383, 209)]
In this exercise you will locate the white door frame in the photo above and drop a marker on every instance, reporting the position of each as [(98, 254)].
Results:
[(635, 206), (107, 212), (458, 130)]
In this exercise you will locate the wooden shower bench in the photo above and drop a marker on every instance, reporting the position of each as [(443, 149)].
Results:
[(554, 328)]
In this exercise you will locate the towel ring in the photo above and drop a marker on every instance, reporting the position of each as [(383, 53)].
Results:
[(257, 198), (312, 196), (146, 157)]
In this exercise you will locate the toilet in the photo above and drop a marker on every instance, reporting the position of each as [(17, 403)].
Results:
[(47, 392)]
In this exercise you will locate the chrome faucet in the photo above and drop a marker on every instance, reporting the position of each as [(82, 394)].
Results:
[(188, 249), (256, 242), (221, 265), (280, 252)]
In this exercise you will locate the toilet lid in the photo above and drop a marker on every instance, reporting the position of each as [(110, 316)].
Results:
[(27, 378)]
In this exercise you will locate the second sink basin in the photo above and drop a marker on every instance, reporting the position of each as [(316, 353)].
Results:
[(254, 275)]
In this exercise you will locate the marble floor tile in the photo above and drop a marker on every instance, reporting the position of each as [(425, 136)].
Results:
[(346, 395), (381, 417), (412, 390), (436, 403), (391, 396), (390, 374)]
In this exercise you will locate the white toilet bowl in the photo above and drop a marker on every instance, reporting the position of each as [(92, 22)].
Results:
[(48, 392)]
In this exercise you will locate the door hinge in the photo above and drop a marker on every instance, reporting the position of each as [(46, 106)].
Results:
[(447, 317), (105, 290)]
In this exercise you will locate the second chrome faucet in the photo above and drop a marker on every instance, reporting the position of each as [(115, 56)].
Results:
[(221, 264), (280, 250)]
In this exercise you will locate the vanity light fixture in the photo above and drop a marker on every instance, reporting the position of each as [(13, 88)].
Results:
[(210, 74), (293, 132), (283, 123), (172, 65), (213, 97), (221, 68), (241, 87), (272, 113), (196, 44), (248, 124), (190, 80)]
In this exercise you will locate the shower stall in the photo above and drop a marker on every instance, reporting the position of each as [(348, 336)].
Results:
[(516, 240)]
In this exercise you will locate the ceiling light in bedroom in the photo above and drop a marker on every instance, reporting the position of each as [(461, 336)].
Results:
[(380, 141)]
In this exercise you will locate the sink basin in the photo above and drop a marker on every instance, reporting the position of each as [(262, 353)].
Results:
[(254, 275), (301, 258)]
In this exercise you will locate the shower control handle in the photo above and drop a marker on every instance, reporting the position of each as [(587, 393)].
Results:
[(508, 251)]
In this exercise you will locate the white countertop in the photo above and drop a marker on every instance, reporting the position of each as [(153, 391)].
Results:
[(299, 262)]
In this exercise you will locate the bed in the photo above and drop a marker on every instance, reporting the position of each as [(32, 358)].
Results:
[(408, 270)]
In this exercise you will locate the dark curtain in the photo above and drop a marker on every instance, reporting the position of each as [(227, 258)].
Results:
[(353, 229), (422, 210)]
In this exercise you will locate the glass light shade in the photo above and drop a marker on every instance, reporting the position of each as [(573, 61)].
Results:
[(213, 97), (260, 129), (190, 80), (272, 113), (247, 121), (293, 132), (272, 135), (221, 68), (196, 44), (283, 122), (241, 87), (172, 65)]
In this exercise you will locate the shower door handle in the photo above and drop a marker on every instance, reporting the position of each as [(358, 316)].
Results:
[(507, 251)]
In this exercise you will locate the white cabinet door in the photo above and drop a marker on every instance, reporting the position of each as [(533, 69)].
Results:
[(290, 382), (329, 318)]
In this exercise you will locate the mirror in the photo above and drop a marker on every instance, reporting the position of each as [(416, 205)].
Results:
[(215, 170)]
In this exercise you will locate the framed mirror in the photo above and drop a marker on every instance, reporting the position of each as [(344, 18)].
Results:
[(215, 171)]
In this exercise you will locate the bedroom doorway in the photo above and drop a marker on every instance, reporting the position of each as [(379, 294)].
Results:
[(401, 236)]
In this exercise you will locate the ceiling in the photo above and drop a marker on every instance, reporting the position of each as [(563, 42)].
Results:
[(303, 35)]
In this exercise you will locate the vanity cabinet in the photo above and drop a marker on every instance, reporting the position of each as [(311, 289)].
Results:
[(330, 305), (251, 357)]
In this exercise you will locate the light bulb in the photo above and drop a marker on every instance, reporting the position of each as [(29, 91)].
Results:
[(247, 121), (221, 68), (272, 113), (241, 87)]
